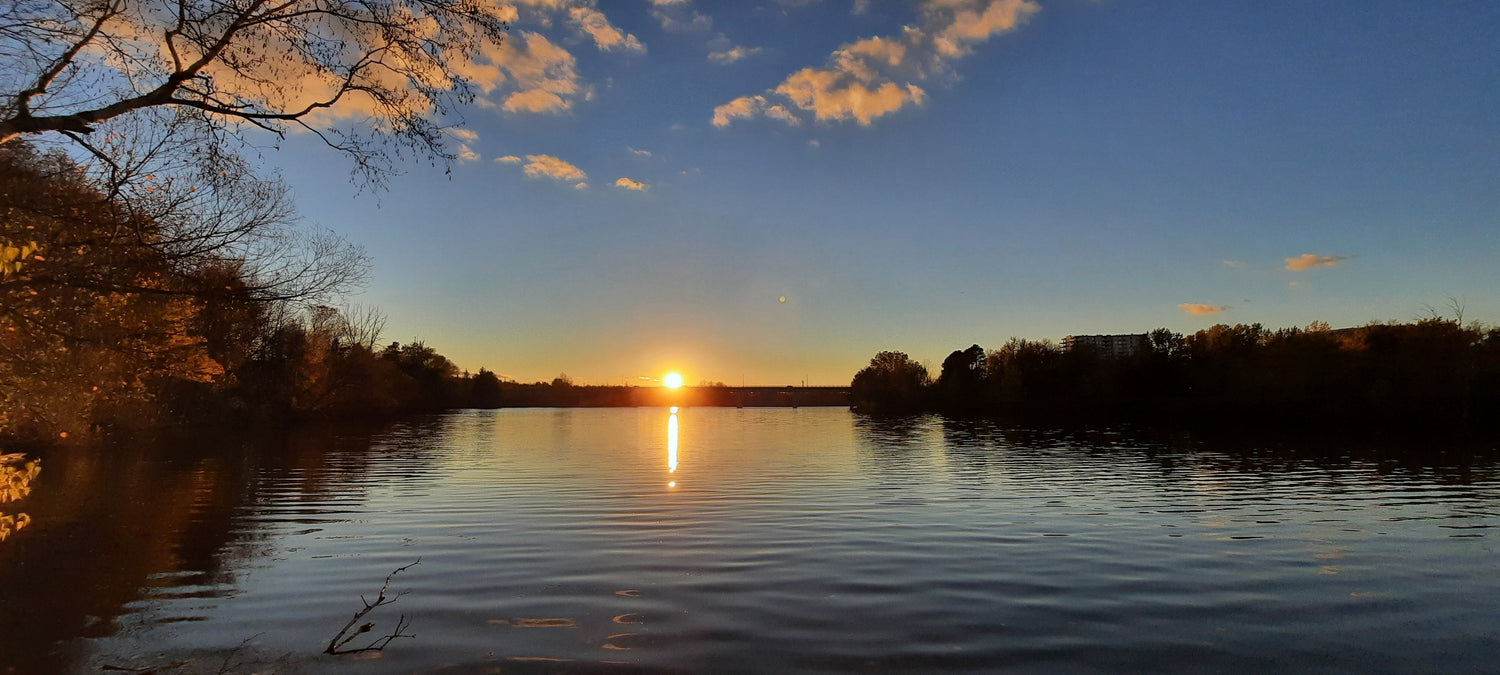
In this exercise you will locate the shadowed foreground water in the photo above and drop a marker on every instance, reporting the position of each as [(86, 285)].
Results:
[(755, 540)]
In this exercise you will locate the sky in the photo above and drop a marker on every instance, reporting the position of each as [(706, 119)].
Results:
[(642, 182)]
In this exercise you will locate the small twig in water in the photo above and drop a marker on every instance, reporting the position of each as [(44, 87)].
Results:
[(148, 670), (337, 644), (228, 666)]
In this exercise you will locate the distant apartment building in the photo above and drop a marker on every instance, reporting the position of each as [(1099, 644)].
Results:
[(1108, 346)]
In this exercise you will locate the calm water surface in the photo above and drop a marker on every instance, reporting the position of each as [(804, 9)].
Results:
[(755, 540)]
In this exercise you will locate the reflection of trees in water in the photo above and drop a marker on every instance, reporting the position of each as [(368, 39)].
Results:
[(16, 474), (159, 518), (893, 447), (977, 449)]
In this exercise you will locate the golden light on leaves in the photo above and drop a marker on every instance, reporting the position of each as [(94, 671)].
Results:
[(11, 256), (16, 475)]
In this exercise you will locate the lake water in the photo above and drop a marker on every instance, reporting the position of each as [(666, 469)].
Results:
[(752, 540)]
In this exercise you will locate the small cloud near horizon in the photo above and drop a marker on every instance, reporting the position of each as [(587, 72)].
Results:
[(638, 153), (1308, 260), (1234, 264), (632, 184), (1200, 309), (508, 159)]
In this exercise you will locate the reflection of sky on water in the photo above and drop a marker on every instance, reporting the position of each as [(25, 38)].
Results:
[(952, 533), (672, 445)]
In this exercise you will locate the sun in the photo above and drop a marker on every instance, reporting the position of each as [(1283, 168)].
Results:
[(672, 380)]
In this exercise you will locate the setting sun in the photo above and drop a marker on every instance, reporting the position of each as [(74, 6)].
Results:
[(672, 380)]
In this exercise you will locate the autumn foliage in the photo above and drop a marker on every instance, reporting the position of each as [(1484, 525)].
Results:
[(112, 318)]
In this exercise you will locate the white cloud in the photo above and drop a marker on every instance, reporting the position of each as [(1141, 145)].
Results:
[(870, 78), (508, 159), (466, 154), (606, 36), (733, 54), (750, 106), (464, 135), (638, 153), (860, 7), (744, 106), (1234, 264), (581, 186), (548, 166), (632, 184), (675, 16), (1307, 260), (529, 73), (1200, 309), (526, 73)]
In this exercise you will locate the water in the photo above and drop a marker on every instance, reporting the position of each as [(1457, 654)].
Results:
[(783, 540)]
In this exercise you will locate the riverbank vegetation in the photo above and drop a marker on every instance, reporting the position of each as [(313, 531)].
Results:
[(131, 300), (1435, 373)]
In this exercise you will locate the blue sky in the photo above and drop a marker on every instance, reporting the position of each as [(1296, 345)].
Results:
[(924, 175)]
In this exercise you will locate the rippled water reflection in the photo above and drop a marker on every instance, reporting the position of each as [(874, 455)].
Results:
[(768, 540)]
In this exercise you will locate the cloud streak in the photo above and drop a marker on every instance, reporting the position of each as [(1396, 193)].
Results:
[(733, 54), (632, 184), (877, 76), (1200, 309), (1310, 260)]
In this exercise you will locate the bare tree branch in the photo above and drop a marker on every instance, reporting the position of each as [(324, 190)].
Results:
[(275, 65), (339, 641)]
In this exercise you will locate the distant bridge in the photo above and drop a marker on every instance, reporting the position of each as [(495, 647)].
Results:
[(615, 396), (743, 397)]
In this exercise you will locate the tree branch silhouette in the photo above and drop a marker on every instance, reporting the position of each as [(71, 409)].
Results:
[(344, 637)]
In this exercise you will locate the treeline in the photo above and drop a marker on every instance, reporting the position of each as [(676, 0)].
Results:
[(132, 300), (1424, 374)]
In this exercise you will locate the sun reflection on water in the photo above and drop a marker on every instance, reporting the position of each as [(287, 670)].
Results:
[(672, 445)]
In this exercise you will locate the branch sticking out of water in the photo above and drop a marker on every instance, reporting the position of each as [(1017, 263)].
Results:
[(339, 642)]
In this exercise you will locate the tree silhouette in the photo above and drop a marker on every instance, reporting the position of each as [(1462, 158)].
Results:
[(891, 383), (961, 383), (71, 65)]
